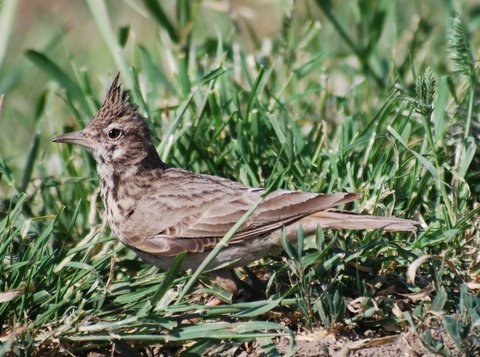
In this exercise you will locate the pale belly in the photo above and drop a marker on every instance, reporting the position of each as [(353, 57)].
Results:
[(236, 255)]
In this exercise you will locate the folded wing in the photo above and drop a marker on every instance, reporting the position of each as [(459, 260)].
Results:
[(198, 223)]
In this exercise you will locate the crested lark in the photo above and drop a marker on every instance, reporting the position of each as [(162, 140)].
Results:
[(159, 211)]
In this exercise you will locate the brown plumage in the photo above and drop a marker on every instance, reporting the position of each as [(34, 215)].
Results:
[(160, 212)]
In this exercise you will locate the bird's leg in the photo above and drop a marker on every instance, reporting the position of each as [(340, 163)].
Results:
[(227, 280)]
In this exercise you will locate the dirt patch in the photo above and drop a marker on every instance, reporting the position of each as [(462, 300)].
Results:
[(324, 343)]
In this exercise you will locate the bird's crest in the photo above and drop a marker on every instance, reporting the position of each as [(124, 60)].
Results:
[(117, 102)]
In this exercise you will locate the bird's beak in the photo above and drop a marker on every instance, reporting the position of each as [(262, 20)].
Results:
[(75, 137)]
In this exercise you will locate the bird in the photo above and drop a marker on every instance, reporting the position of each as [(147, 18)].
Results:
[(160, 211)]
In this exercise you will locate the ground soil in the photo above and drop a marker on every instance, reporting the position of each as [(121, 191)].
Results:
[(320, 343)]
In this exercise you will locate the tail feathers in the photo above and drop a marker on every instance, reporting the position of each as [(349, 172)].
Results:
[(349, 220)]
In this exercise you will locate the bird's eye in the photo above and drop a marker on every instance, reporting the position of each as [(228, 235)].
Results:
[(114, 133)]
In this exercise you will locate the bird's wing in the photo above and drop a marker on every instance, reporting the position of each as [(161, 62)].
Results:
[(197, 211)]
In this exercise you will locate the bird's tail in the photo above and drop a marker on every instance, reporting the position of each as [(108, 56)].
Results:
[(348, 220)]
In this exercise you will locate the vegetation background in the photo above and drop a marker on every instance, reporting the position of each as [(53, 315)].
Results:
[(377, 97)]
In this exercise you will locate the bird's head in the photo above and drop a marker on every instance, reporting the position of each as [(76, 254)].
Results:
[(117, 135)]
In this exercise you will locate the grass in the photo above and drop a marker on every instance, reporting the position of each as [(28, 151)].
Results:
[(361, 101)]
